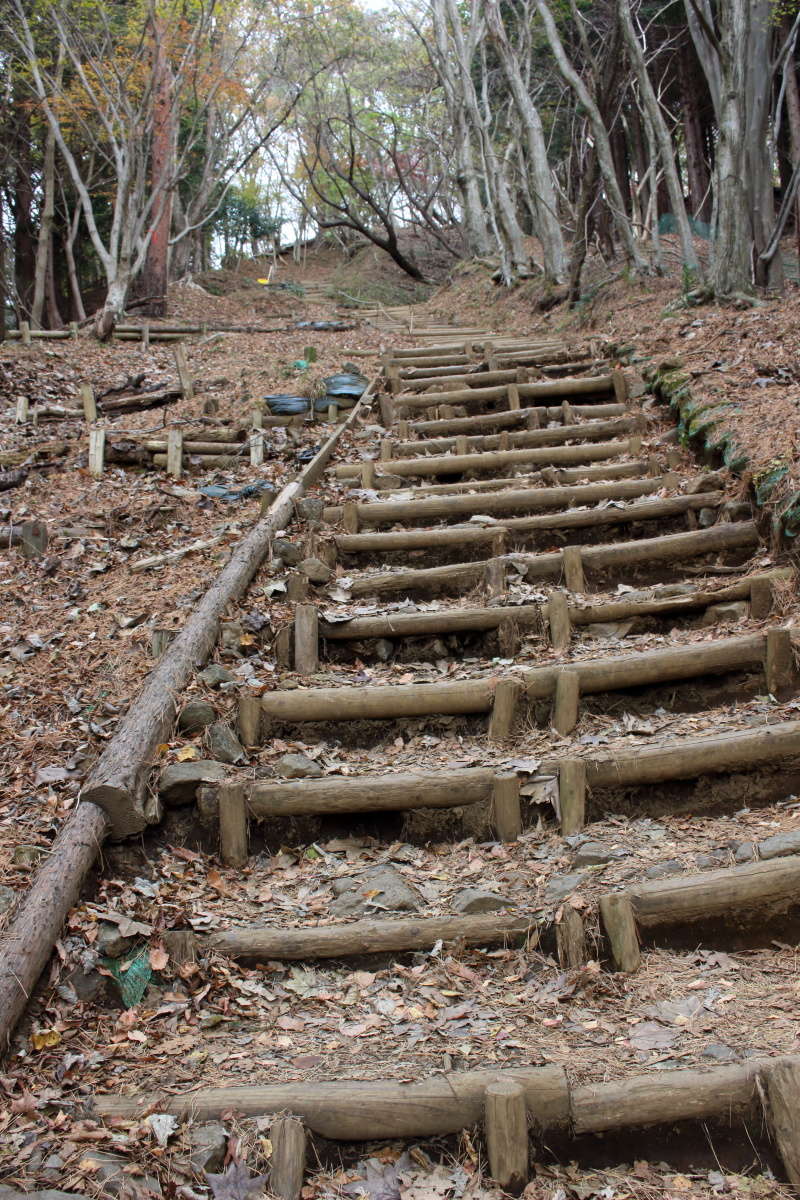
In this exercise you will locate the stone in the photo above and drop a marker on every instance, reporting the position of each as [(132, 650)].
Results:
[(230, 634), (298, 766), (561, 886), (745, 852), (109, 942), (213, 675), (7, 1193), (179, 781), (224, 744), (595, 854), (7, 897), (707, 517), (288, 551), (108, 1170), (315, 570), (779, 845), (736, 510), (383, 649), (354, 894), (720, 1053), (197, 714), (714, 858), (310, 508), (713, 481), (476, 900), (208, 1143), (726, 614), (663, 870), (89, 986)]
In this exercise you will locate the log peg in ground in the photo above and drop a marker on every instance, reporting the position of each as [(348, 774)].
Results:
[(249, 720), (779, 667), (572, 795), (350, 516), (504, 710), (506, 1117), (572, 561), (97, 451), (504, 815), (761, 597), (495, 577), (783, 1092), (559, 620), (288, 1163), (619, 922), (232, 825), (571, 939), (306, 639), (297, 587), (566, 702)]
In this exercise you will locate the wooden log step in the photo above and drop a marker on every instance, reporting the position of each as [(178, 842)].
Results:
[(514, 416), (499, 460), (437, 358), (368, 793), (597, 385), (556, 475), (392, 512), (210, 447), (455, 535), (471, 696), (468, 620), (417, 378), (362, 1111), (399, 935), (753, 892)]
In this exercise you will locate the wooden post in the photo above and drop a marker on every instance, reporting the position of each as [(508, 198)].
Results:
[(283, 646), (559, 620), (306, 639), (34, 540), (22, 410), (779, 661), (256, 419), (504, 441), (250, 720), (386, 449), (25, 332), (296, 587), (350, 516), (495, 576), (783, 1091), (403, 431), (146, 336), (333, 413), (288, 1163), (175, 452), (507, 1135), (635, 444), (97, 451), (368, 475), (513, 397), (572, 795), (567, 415), (566, 702), (73, 330), (505, 813), (462, 446), (232, 825), (761, 598), (619, 923), (187, 387), (571, 939), (504, 710), (573, 569), (89, 403), (256, 448), (532, 418)]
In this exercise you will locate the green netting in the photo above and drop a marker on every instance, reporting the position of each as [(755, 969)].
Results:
[(790, 519), (667, 224), (131, 975)]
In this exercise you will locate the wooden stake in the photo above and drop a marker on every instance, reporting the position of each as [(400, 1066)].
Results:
[(386, 448), (97, 451), (462, 446), (283, 645), (306, 639), (288, 1163), (73, 330), (566, 702), (571, 939), (256, 448), (507, 1135), (532, 418), (256, 419), (572, 795), (761, 597), (783, 1090), (187, 387), (350, 516), (249, 720), (504, 710), (635, 444), (22, 410), (403, 431), (513, 397), (25, 333), (146, 336), (297, 587), (559, 620), (232, 825), (619, 923), (505, 814), (567, 415), (495, 576), (89, 403), (504, 441), (779, 661), (368, 475), (572, 560), (175, 452)]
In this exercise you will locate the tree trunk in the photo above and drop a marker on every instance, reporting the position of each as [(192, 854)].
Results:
[(691, 85), (792, 93), (72, 269), (24, 251), (155, 273)]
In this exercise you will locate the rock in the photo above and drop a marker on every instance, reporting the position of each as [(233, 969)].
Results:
[(7, 897), (779, 845), (383, 649), (713, 481), (208, 1142), (561, 886), (353, 894), (594, 854), (310, 508), (714, 858), (213, 675), (224, 744), (53, 1165), (387, 482), (88, 986), (179, 781), (720, 1053), (109, 942), (726, 614), (196, 715), (315, 570), (108, 1170), (298, 766), (736, 510), (230, 634), (745, 851), (7, 1193), (663, 870), (707, 517), (476, 900), (290, 552)]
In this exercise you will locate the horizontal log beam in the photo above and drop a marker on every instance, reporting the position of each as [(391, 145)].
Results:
[(496, 460), (512, 417), (635, 469), (583, 431), (591, 385), (774, 884), (368, 793)]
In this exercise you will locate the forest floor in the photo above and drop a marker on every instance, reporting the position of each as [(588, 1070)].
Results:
[(75, 645)]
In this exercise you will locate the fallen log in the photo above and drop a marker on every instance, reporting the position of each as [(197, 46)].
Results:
[(139, 401), (12, 479), (356, 1111)]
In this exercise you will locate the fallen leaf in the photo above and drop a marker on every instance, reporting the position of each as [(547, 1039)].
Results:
[(236, 1183)]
